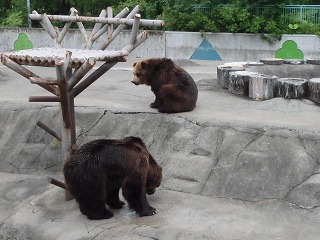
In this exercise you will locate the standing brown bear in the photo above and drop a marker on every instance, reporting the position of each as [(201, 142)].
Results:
[(174, 88), (95, 173)]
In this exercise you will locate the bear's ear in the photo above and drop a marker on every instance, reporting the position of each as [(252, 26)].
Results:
[(134, 64), (144, 64)]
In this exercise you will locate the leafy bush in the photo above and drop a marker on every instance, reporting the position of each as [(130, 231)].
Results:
[(239, 16), (187, 20), (14, 19)]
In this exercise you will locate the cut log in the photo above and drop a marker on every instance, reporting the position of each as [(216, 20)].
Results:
[(291, 88), (223, 72), (261, 87), (315, 61), (272, 61), (255, 64), (314, 90), (293, 61), (239, 82)]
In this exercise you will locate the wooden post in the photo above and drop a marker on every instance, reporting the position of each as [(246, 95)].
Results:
[(239, 82), (291, 88), (223, 72), (314, 90), (261, 87)]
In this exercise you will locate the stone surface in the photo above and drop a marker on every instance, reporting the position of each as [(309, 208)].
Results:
[(305, 71), (307, 194), (264, 155), (46, 215)]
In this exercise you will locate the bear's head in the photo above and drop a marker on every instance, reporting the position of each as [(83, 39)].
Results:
[(144, 71), (140, 73), (154, 177)]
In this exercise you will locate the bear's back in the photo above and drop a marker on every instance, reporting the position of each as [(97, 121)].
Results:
[(107, 152)]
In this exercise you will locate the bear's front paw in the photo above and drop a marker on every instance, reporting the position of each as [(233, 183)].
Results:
[(151, 211), (153, 105)]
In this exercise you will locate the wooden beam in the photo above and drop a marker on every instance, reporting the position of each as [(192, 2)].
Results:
[(25, 73), (44, 99), (48, 130)]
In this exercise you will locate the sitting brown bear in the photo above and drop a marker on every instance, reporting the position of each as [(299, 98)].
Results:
[(174, 88), (95, 173)]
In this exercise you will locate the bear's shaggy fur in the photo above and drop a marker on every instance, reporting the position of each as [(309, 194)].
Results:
[(174, 88), (95, 173)]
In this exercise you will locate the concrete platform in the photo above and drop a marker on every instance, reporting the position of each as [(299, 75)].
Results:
[(234, 168)]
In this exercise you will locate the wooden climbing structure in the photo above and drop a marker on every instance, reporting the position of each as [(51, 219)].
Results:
[(73, 65)]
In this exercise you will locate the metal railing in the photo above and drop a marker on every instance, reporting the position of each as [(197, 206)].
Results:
[(302, 13), (291, 13)]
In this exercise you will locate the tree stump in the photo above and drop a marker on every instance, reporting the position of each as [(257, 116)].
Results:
[(315, 61), (239, 82), (314, 90), (291, 88), (255, 64), (293, 61), (261, 87), (272, 61), (223, 72)]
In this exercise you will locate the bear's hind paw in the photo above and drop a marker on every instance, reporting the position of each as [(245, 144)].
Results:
[(153, 105), (116, 205)]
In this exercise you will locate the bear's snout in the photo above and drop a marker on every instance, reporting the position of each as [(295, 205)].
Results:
[(135, 83)]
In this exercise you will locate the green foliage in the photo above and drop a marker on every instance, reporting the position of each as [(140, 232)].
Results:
[(14, 19), (242, 16), (148, 9), (182, 18), (13, 13)]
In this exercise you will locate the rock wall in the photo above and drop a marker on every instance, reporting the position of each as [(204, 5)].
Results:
[(240, 163)]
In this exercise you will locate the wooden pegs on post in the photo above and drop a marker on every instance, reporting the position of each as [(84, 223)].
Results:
[(48, 130)]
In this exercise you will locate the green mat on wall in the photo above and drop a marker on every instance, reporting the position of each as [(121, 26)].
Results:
[(289, 50), (22, 42)]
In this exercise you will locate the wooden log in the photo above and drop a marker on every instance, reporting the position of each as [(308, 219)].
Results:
[(239, 82), (48, 130), (223, 72), (57, 183), (261, 87), (255, 64), (68, 195), (44, 99), (272, 61), (314, 90), (294, 61), (315, 61), (295, 88)]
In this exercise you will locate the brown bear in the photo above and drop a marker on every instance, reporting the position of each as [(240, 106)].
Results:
[(96, 171), (174, 88)]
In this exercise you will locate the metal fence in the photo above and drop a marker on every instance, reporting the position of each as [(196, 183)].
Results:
[(302, 13), (291, 13)]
